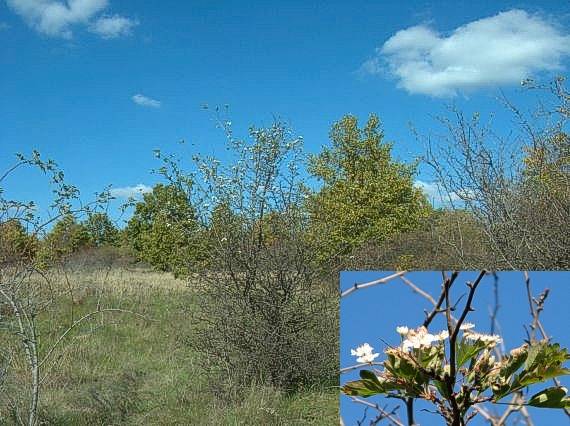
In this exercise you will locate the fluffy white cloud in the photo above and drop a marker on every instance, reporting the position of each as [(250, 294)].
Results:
[(113, 26), (130, 191), (54, 18), (145, 101), (435, 193), (57, 17), (502, 49)]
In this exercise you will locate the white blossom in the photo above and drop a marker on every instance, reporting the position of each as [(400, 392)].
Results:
[(442, 335), (491, 339), (466, 326), (420, 337), (403, 330), (364, 353), (417, 339), (519, 351)]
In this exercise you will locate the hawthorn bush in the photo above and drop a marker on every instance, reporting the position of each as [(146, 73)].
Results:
[(268, 312)]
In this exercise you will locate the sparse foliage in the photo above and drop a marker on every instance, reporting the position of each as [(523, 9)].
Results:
[(26, 290), (268, 314), (517, 188)]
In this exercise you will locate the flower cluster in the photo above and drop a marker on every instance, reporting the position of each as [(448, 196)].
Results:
[(489, 339), (458, 376), (419, 338), (364, 353)]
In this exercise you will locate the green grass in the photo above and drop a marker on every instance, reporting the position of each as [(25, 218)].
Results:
[(117, 368)]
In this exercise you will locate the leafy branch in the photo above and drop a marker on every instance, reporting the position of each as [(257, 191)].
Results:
[(456, 370)]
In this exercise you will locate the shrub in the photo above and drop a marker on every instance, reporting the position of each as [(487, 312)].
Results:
[(269, 314), (518, 189), (448, 238)]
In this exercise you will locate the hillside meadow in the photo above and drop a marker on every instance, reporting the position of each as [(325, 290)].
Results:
[(138, 366)]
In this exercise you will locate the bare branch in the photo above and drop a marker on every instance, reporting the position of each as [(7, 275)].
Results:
[(359, 286)]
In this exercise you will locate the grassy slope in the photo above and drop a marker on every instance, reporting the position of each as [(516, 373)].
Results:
[(121, 369)]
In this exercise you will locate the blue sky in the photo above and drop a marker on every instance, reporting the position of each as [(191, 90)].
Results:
[(372, 314), (98, 84)]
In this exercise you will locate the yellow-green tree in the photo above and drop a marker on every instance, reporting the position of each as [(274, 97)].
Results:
[(547, 163), (366, 194), (65, 238), (15, 243)]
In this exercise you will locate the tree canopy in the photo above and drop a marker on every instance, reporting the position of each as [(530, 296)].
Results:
[(366, 194), (164, 229)]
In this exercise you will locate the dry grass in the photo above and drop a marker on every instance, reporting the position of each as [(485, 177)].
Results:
[(121, 369)]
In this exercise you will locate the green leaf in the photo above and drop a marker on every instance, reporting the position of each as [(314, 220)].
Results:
[(442, 388), (369, 375), (513, 363), (543, 362), (403, 368), (466, 351), (364, 388), (554, 397), (533, 352), (431, 358)]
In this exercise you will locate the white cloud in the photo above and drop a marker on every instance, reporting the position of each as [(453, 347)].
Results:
[(501, 49), (130, 191), (145, 101), (56, 18), (435, 193), (113, 26)]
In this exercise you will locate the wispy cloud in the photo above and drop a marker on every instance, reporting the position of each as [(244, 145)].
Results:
[(56, 18), (113, 26), (130, 191), (4, 26), (145, 101), (501, 49)]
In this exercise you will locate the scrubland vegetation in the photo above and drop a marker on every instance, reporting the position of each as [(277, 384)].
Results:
[(121, 368), (248, 331), (463, 375)]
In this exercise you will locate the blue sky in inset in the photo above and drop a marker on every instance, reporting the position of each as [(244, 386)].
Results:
[(98, 84), (372, 314)]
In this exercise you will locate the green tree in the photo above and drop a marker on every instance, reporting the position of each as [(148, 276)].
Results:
[(164, 230), (66, 238), (101, 230), (366, 195), (15, 242)]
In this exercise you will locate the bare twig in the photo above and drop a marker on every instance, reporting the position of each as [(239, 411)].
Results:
[(357, 366), (386, 414), (359, 286), (448, 282), (418, 290)]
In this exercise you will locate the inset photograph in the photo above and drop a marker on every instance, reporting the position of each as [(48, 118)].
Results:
[(454, 348)]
